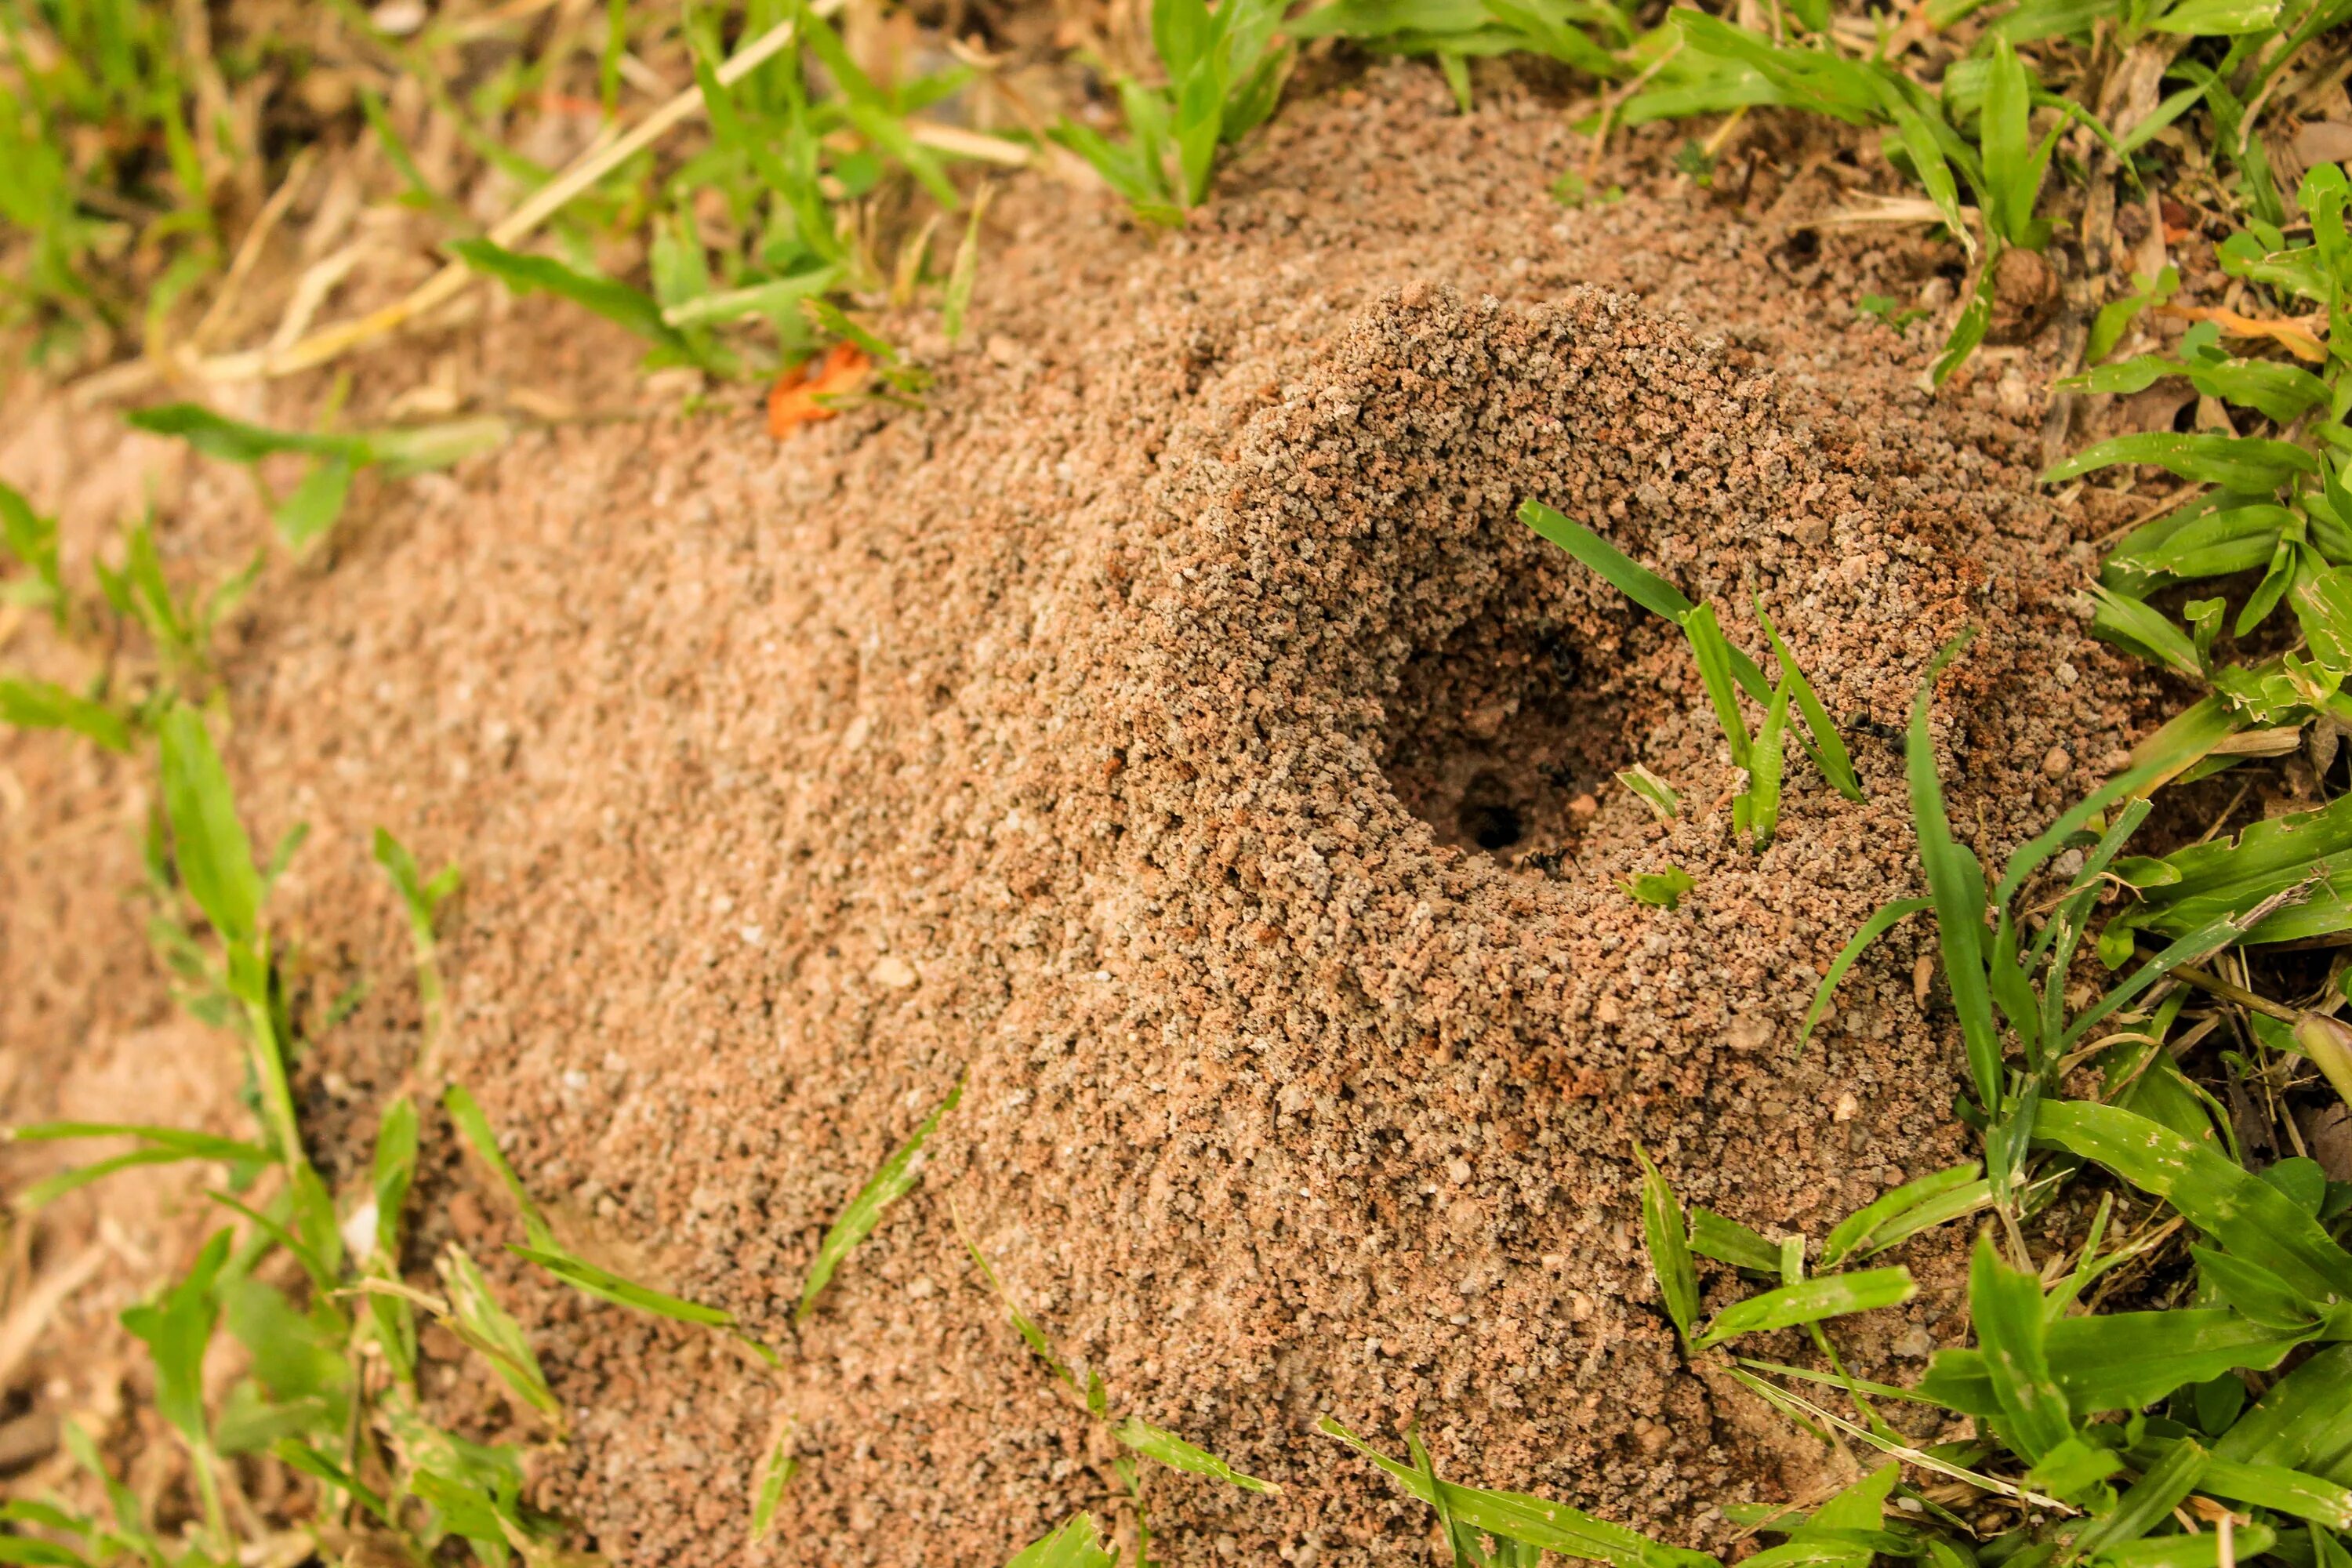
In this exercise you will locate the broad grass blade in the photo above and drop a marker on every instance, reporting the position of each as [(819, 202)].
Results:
[(1670, 1257), (1159, 1443), (2245, 1214), (2006, 1304), (1728, 1241), (1955, 884), (1532, 1520), (1075, 1546), (1855, 1232), (1809, 1301), (2125, 1361), (777, 1466)]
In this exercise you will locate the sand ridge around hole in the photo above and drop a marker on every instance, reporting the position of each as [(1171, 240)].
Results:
[(1068, 737)]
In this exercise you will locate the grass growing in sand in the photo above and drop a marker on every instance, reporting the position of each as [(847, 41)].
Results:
[(2166, 1435)]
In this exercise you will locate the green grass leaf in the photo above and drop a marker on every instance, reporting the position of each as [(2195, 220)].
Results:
[(1955, 884), (603, 1283), (1529, 1521), (1075, 1546), (1660, 889), (1809, 1301), (1159, 1443), (209, 844), (1728, 1241), (234, 441), (1828, 749), (2122, 1361), (2248, 464), (1885, 917), (474, 1127), (1669, 1246), (2246, 1215), (777, 1467), (2163, 1486), (485, 1326), (1974, 320), (2303, 1422), (896, 1178), (176, 1327), (1764, 761), (2006, 1306), (2203, 1550), (616, 302), (1856, 1234)]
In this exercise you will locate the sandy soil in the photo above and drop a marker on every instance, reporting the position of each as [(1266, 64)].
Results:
[(1169, 733)]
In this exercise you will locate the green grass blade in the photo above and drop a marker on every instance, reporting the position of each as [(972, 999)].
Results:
[(474, 1129), (1728, 1241), (1828, 749), (1713, 650), (2011, 1329), (45, 705), (2246, 1215), (489, 1329), (2306, 1496), (2304, 1422), (896, 1178), (2162, 1488), (1955, 884), (1855, 1232), (2184, 741), (1885, 917), (312, 507), (2250, 465), (1809, 1301), (777, 1467), (616, 302), (2125, 1361), (234, 440), (622, 1292), (1765, 762), (1075, 1546), (209, 844), (1669, 1246), (1530, 1521), (1159, 1443), (2203, 1550)]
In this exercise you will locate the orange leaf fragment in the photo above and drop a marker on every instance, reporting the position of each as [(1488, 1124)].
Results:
[(792, 401)]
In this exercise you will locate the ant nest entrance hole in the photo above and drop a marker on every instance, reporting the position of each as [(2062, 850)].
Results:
[(1496, 738)]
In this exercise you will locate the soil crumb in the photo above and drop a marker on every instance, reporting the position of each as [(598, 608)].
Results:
[(1169, 733)]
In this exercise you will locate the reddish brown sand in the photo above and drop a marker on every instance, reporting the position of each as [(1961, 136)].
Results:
[(1117, 736)]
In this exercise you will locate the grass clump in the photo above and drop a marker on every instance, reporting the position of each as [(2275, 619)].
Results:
[(1727, 674), (1225, 71)]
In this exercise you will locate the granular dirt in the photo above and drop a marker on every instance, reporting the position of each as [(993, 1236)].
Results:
[(1169, 733)]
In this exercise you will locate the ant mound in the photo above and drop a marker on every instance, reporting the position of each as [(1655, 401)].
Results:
[(1169, 735)]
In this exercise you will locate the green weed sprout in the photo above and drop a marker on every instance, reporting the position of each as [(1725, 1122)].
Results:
[(1225, 68), (898, 1176)]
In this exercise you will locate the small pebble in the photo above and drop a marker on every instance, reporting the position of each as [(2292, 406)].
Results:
[(2057, 761)]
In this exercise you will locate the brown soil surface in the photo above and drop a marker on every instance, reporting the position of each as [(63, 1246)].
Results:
[(1171, 733)]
